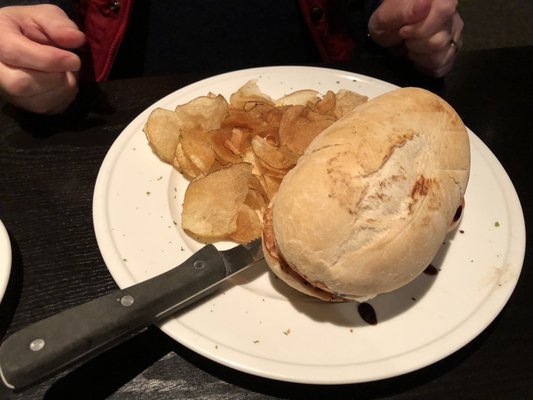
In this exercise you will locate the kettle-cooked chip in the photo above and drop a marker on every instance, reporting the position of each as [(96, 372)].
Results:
[(300, 125), (256, 197), (212, 203), (326, 105), (270, 185), (224, 153), (248, 225), (204, 112), (184, 164), (249, 93), (163, 130), (278, 157), (196, 144), (299, 98), (346, 101)]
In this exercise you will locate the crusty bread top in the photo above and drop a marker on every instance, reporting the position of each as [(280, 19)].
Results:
[(369, 203)]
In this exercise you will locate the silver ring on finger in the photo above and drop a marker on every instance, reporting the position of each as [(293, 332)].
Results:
[(453, 45)]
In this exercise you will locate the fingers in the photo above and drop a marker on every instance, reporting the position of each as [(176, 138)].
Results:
[(50, 25), (385, 23), (440, 16), (426, 28), (37, 70), (31, 38), (436, 54), (20, 52), (436, 65), (39, 92), (431, 44)]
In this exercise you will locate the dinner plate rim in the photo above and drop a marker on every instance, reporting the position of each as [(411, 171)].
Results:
[(5, 259)]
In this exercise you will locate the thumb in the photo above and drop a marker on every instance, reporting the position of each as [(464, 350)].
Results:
[(391, 15)]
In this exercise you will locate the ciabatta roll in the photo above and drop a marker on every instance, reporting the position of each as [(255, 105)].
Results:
[(368, 205)]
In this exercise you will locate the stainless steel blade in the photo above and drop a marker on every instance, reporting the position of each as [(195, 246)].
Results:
[(241, 256)]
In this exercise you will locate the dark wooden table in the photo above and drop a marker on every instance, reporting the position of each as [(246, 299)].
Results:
[(48, 167)]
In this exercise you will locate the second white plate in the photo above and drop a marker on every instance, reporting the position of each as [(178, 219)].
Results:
[(5, 259)]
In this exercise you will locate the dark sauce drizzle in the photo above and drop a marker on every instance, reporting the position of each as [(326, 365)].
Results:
[(431, 270), (367, 313), (458, 213)]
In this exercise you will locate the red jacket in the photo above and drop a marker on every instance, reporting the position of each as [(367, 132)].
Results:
[(105, 23)]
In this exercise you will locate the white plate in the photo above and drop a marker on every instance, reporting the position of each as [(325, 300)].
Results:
[(255, 323), (5, 259)]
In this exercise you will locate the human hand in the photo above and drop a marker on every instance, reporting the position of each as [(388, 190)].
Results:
[(430, 31), (37, 70)]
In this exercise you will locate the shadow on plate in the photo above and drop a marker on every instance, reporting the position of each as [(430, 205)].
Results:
[(386, 306)]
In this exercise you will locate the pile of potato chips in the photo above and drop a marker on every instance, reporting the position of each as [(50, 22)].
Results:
[(236, 153)]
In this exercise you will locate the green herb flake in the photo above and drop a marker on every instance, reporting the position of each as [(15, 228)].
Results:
[(287, 332), (497, 224)]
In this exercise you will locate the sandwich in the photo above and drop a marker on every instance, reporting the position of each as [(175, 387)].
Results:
[(370, 202)]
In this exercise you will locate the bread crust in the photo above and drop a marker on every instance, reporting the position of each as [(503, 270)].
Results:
[(369, 203)]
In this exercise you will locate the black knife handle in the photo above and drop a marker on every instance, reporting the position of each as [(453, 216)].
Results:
[(53, 344)]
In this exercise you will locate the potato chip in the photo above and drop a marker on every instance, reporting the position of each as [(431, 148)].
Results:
[(270, 127), (253, 123), (326, 105), (346, 101), (248, 225), (204, 112), (270, 134), (273, 116), (212, 203), (256, 197), (219, 141), (163, 129), (298, 98), (265, 168), (256, 200), (196, 145), (249, 93), (299, 126), (270, 185), (239, 119), (278, 157), (249, 157), (239, 141), (183, 164)]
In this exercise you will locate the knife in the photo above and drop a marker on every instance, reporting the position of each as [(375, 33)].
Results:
[(51, 345)]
